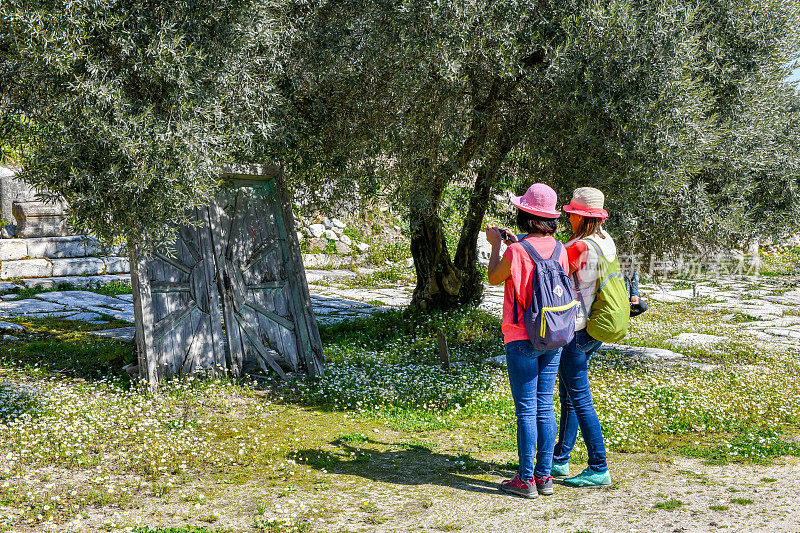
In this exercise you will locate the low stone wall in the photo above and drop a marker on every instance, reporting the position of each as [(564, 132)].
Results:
[(36, 243)]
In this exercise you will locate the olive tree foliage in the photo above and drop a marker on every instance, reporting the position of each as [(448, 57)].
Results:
[(129, 106), (677, 110)]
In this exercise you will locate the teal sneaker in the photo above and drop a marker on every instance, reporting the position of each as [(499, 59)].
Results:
[(589, 478), (560, 470)]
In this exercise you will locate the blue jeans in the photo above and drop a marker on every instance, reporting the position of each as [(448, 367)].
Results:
[(532, 374), (577, 409)]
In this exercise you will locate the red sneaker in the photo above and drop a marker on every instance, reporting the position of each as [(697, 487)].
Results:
[(544, 485), (526, 489)]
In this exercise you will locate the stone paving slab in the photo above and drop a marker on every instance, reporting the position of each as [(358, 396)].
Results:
[(125, 315), (84, 299), (120, 334), (8, 286), (8, 327), (91, 318), (653, 354), (696, 340), (75, 281), (29, 307)]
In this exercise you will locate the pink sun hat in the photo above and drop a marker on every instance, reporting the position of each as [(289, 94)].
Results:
[(587, 202), (539, 200)]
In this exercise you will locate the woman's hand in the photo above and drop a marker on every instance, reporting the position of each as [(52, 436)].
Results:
[(493, 236), (511, 238)]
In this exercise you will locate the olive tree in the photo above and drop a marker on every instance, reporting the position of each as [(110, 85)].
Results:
[(678, 110), (126, 108)]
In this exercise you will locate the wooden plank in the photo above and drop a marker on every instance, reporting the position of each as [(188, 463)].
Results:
[(157, 272), (160, 286), (268, 246), (268, 286), (188, 237), (281, 339), (173, 262), (273, 268), (174, 306), (220, 223), (234, 231), (275, 317), (249, 171), (299, 297), (142, 315), (270, 356), (173, 319), (215, 338), (444, 351), (191, 337)]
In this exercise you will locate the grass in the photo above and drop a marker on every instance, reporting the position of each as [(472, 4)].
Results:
[(385, 412), (66, 348), (784, 262), (389, 276), (669, 505), (108, 289), (755, 444), (145, 529), (410, 337)]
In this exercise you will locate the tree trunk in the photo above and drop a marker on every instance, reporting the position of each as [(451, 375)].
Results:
[(438, 281), (441, 282), (466, 259)]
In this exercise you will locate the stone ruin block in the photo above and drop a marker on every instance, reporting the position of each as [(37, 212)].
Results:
[(12, 190), (39, 219)]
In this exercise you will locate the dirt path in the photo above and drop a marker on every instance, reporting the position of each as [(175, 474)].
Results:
[(657, 494)]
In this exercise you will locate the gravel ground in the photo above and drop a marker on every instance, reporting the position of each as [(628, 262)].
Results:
[(698, 497)]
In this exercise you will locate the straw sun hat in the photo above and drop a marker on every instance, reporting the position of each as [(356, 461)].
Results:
[(587, 202)]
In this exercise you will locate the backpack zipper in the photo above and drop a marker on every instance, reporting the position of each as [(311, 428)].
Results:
[(543, 329)]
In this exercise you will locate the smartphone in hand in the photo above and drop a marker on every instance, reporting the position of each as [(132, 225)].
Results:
[(506, 235)]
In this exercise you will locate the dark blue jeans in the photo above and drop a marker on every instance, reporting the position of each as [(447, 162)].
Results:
[(577, 409), (532, 374)]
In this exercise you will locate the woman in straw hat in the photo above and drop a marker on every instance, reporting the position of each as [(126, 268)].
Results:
[(586, 215), (532, 373)]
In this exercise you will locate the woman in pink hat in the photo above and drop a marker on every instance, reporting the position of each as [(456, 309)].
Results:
[(589, 240), (532, 373)]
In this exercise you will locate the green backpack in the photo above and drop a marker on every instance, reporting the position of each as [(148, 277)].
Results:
[(610, 313)]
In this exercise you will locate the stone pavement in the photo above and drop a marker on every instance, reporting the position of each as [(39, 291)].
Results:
[(766, 310)]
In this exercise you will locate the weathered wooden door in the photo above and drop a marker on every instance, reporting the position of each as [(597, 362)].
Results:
[(178, 321), (254, 286)]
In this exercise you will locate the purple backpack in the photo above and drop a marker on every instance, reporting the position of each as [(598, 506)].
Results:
[(550, 317)]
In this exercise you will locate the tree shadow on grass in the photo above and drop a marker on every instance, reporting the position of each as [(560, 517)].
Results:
[(66, 348), (412, 464)]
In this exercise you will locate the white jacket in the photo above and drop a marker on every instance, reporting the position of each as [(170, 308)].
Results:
[(586, 276)]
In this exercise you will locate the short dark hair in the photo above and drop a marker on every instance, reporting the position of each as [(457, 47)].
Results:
[(530, 223)]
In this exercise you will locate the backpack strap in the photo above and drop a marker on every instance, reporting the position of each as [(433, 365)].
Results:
[(531, 251), (596, 247), (537, 258), (579, 293), (600, 254), (577, 283), (515, 318)]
